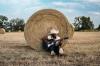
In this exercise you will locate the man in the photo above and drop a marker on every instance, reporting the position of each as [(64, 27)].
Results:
[(52, 42)]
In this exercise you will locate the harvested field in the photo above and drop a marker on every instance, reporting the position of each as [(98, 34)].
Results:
[(82, 50)]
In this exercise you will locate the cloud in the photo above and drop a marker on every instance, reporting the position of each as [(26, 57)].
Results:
[(59, 4), (18, 8), (71, 9), (90, 1), (69, 5), (25, 2), (95, 13), (94, 1)]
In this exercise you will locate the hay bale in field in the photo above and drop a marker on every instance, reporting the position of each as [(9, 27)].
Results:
[(40, 23), (2, 31)]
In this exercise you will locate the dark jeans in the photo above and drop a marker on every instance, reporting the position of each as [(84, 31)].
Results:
[(51, 48), (54, 48)]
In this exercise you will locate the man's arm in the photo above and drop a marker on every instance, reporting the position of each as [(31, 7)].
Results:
[(59, 42)]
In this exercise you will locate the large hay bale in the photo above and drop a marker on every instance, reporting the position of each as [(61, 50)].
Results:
[(40, 23), (2, 31)]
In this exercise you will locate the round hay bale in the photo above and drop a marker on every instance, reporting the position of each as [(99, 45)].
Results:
[(40, 23), (2, 31)]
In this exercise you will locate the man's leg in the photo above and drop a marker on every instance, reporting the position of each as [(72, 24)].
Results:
[(56, 50), (61, 51), (52, 50)]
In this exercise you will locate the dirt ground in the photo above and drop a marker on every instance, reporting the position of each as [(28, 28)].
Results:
[(82, 50)]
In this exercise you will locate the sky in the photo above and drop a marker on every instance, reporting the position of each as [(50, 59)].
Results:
[(70, 8)]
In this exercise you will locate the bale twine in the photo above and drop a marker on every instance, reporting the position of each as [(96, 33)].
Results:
[(2, 31), (40, 23)]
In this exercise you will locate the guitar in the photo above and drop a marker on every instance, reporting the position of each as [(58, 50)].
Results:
[(59, 41), (62, 39)]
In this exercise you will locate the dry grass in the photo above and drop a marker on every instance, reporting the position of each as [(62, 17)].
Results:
[(82, 50)]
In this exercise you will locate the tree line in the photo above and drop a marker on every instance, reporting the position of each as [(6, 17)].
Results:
[(81, 23), (15, 24)]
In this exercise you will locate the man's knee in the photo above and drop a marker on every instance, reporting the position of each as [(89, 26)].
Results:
[(61, 51)]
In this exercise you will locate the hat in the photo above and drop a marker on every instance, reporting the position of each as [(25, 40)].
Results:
[(54, 31)]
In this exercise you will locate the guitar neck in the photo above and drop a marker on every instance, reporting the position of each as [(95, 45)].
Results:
[(63, 39)]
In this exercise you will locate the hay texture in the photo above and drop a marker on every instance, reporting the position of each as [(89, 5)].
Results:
[(40, 23), (2, 31)]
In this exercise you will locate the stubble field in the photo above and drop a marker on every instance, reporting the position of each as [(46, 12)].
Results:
[(82, 50)]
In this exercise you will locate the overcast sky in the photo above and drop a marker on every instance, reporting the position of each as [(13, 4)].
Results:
[(70, 8)]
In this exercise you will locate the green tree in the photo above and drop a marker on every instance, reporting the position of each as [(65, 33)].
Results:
[(2, 20), (77, 23), (98, 28), (17, 24), (83, 23)]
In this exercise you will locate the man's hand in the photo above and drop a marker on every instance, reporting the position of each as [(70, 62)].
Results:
[(50, 44)]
